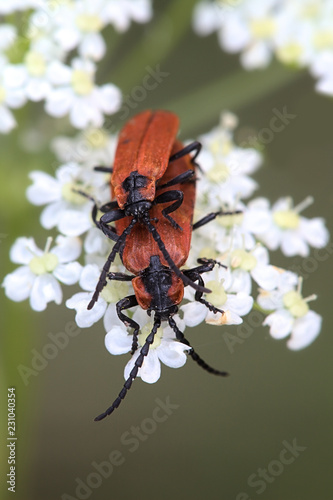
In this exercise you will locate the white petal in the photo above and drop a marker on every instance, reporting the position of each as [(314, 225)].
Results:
[(51, 215), (257, 56), (117, 341), (18, 284), (266, 276), (89, 277), (111, 318), (68, 273), (293, 244), (7, 120), (194, 313), (37, 89), (92, 47), (74, 223), (23, 250), (96, 242), (59, 102), (45, 188), (67, 248), (84, 317), (45, 289), (109, 98), (280, 323), (150, 371), (305, 331), (241, 303), (58, 73), (315, 232), (172, 353)]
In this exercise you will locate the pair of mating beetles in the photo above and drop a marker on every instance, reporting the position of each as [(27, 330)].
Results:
[(152, 168)]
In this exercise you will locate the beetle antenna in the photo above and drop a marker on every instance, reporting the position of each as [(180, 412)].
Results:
[(166, 255), (192, 353), (106, 268), (138, 363)]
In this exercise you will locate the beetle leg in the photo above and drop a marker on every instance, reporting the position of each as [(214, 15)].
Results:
[(187, 281), (212, 216), (101, 168), (179, 179), (177, 197), (117, 247), (195, 275), (194, 146), (127, 303), (192, 352), (120, 276), (138, 363)]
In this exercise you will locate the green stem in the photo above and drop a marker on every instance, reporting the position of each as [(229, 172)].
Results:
[(155, 46), (203, 106)]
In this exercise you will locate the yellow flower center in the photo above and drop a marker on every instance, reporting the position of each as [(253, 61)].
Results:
[(323, 39), (286, 219), (294, 301), (218, 297), (96, 137), (290, 53), (243, 260), (2, 94), (229, 221), (35, 63), (263, 28), (82, 82), (89, 23), (69, 193), (44, 264), (114, 291), (219, 173), (145, 331)]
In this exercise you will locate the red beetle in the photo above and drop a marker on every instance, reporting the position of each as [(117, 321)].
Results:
[(150, 246), (146, 147)]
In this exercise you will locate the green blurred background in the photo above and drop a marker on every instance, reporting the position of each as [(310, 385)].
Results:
[(222, 431)]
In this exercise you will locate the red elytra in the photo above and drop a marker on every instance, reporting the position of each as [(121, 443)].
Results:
[(144, 146)]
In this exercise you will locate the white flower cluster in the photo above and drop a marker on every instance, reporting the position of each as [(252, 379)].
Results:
[(240, 240), (52, 57), (298, 32)]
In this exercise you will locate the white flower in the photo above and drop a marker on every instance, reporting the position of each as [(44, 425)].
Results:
[(291, 314), (290, 231), (38, 278), (8, 35), (11, 94), (91, 147), (234, 305), (165, 348), (66, 209), (298, 33), (120, 12), (226, 168), (322, 68), (78, 25), (114, 291), (76, 94), (9, 7)]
